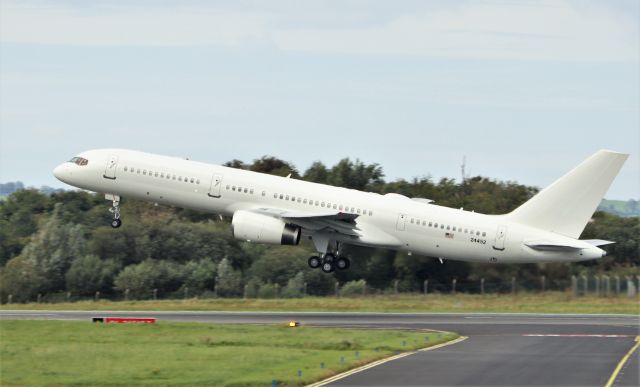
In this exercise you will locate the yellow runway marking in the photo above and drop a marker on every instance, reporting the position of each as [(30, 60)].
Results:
[(622, 362), (382, 361)]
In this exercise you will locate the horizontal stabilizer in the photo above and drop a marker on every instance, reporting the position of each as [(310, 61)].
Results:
[(597, 242), (552, 246)]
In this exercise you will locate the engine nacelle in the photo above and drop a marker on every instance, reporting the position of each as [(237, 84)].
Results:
[(252, 227)]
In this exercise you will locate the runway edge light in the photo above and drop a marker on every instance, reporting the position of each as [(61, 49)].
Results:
[(293, 324)]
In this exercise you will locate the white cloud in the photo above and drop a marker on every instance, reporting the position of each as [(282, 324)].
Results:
[(129, 26), (543, 31)]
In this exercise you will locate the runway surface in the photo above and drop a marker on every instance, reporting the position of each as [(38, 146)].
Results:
[(502, 349)]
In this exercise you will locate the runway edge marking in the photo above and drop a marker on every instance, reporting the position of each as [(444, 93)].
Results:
[(382, 361), (622, 362)]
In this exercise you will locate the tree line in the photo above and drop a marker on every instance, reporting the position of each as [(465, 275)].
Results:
[(62, 242)]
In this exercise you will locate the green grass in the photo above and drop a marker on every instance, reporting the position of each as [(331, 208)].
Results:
[(550, 302), (73, 352)]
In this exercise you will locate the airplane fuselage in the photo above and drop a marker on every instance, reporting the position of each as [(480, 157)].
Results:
[(387, 221)]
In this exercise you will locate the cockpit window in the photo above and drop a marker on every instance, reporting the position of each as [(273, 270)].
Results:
[(79, 160)]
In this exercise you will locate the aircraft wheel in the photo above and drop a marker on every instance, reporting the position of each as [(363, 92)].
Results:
[(328, 267), (314, 262), (343, 263), (116, 223), (329, 257)]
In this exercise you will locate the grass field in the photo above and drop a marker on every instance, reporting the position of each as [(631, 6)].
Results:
[(550, 302), (73, 352)]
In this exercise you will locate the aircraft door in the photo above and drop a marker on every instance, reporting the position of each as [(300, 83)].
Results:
[(501, 235), (110, 170), (216, 185), (402, 219)]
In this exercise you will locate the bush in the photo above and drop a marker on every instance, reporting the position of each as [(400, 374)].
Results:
[(353, 288), (295, 287), (142, 278), (89, 274)]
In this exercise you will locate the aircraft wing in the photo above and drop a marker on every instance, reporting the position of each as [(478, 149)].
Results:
[(340, 222)]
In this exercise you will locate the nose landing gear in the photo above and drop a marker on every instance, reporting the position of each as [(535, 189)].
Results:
[(115, 210)]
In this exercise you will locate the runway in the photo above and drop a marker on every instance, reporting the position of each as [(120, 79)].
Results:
[(502, 349)]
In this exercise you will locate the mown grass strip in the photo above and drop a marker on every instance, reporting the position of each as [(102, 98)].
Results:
[(550, 302), (77, 352)]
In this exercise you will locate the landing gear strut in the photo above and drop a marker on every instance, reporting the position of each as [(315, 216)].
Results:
[(115, 210)]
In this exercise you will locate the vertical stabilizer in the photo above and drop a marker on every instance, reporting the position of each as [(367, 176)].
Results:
[(566, 206)]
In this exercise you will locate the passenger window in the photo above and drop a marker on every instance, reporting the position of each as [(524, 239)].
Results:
[(299, 200), (317, 203), (286, 197), (442, 226), (245, 190), (233, 188), (192, 180), (484, 234), (144, 172), (411, 220), (335, 206), (370, 213), (435, 225), (477, 233), (281, 196), (424, 222), (454, 228), (155, 174), (264, 193), (358, 211), (125, 169), (304, 201), (162, 175), (322, 204), (228, 187), (251, 191), (448, 228)]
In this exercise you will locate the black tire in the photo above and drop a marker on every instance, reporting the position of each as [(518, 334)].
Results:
[(329, 257), (328, 267), (343, 263), (314, 262), (116, 223)]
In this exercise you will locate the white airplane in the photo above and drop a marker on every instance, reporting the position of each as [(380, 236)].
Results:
[(279, 210)]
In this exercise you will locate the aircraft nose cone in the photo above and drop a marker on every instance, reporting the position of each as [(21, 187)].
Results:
[(61, 172)]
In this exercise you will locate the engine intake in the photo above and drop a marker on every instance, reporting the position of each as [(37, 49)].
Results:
[(259, 228)]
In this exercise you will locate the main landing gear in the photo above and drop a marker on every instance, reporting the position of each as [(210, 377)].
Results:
[(115, 210), (329, 262)]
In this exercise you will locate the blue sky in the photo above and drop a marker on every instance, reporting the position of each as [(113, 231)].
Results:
[(524, 89)]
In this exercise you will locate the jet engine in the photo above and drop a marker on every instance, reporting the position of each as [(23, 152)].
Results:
[(253, 227)]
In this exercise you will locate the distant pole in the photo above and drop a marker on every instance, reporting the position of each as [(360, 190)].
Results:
[(246, 290), (305, 288), (513, 285), (10, 299), (482, 286), (543, 283), (186, 292), (631, 287), (425, 287), (607, 286), (126, 294), (39, 297), (453, 286), (68, 296), (155, 294), (277, 288), (364, 288), (395, 286), (97, 296), (585, 284), (336, 289), (574, 286), (617, 278), (597, 279)]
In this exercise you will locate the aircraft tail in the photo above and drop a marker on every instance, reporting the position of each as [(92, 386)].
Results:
[(566, 206)]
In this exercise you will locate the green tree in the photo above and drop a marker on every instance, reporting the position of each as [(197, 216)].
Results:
[(21, 279), (89, 274), (228, 280), (141, 279)]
